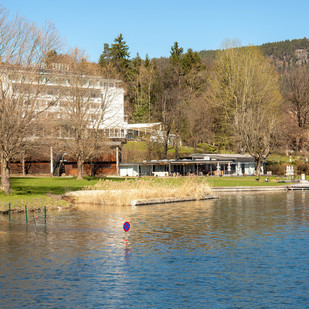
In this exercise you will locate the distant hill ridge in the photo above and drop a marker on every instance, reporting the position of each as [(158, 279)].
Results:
[(283, 54)]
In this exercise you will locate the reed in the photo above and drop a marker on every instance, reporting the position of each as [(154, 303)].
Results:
[(122, 193)]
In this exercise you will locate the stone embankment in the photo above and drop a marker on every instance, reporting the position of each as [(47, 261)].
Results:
[(145, 202)]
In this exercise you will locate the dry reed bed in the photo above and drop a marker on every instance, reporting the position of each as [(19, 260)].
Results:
[(109, 192)]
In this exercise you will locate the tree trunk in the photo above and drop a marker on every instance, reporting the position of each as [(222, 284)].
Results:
[(176, 150), (23, 165), (5, 176), (79, 170), (258, 166), (91, 169), (165, 150), (219, 147), (167, 133)]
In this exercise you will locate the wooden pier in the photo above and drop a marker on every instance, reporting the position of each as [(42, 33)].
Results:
[(299, 186)]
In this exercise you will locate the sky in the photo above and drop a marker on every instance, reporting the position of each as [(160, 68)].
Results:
[(152, 26)]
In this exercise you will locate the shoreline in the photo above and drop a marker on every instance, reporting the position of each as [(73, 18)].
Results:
[(249, 189), (68, 197), (73, 196), (292, 187), (35, 209)]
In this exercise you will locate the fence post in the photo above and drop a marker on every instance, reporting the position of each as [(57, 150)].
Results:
[(9, 212), (45, 217), (26, 214)]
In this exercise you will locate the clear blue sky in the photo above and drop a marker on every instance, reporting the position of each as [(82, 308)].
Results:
[(152, 26)]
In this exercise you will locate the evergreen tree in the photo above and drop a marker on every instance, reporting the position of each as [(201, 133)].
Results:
[(119, 53), (105, 57), (176, 54), (116, 55), (140, 80)]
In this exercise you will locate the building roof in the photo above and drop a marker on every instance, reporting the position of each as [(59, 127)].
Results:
[(199, 159)]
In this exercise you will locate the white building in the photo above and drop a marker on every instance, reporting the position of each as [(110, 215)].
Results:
[(54, 90), (198, 164), (103, 101)]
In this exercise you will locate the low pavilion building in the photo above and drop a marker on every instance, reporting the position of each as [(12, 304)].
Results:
[(195, 164)]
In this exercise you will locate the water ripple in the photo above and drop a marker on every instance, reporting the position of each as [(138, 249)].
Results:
[(241, 251)]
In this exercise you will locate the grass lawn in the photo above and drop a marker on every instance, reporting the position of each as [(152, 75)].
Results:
[(249, 181), (142, 147), (40, 190), (136, 146)]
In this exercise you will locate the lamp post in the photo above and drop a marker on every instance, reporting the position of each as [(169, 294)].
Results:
[(51, 162)]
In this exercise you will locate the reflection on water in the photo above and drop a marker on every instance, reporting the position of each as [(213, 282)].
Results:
[(243, 250)]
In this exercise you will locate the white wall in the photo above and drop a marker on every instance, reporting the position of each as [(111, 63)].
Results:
[(128, 170)]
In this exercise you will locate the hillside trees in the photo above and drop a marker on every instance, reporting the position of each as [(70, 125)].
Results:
[(188, 79), (23, 48), (295, 89), (246, 97), (140, 80), (137, 74), (163, 105), (197, 114), (179, 90), (242, 107), (283, 53)]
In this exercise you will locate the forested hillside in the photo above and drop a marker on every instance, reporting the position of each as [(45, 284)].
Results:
[(284, 54)]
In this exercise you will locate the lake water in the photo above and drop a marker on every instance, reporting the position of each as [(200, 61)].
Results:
[(241, 251)]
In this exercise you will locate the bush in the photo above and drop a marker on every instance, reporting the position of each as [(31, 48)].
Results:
[(301, 168), (276, 168), (207, 148)]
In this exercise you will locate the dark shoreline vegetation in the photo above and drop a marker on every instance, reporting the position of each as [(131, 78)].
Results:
[(37, 192)]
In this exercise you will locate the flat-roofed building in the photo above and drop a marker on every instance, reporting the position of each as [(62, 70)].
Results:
[(194, 164)]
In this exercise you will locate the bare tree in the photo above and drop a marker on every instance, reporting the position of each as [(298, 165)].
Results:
[(199, 122), (87, 108), (295, 84), (183, 83), (23, 48), (245, 93)]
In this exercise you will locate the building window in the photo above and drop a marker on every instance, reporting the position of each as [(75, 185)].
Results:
[(94, 94)]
